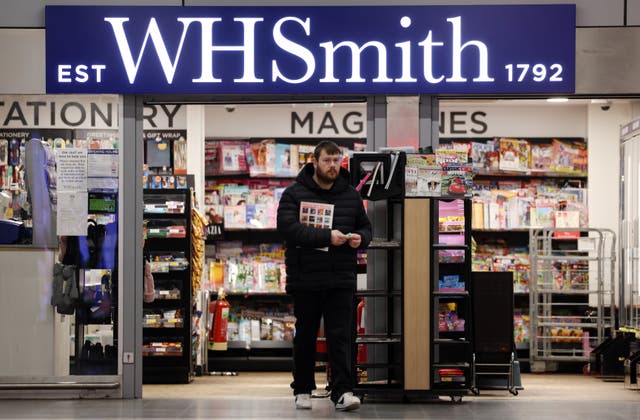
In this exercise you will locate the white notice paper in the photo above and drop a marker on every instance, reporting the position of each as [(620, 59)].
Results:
[(71, 169), (72, 213), (103, 163)]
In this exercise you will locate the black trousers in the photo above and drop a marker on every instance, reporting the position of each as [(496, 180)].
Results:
[(336, 306)]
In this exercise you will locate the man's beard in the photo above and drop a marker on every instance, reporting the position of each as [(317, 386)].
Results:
[(327, 177)]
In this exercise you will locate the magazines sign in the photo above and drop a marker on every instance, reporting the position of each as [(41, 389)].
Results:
[(311, 50)]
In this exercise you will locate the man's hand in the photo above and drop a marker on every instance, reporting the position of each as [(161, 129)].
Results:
[(354, 240), (338, 238)]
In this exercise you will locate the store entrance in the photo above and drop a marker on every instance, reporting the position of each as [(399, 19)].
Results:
[(212, 178), (230, 161)]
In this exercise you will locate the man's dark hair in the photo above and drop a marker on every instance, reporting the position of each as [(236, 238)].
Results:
[(328, 146)]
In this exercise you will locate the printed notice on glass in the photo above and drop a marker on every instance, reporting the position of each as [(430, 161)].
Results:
[(103, 170), (72, 213), (103, 163), (71, 169), (318, 215)]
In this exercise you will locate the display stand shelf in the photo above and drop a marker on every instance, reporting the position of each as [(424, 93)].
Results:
[(408, 357), (176, 368)]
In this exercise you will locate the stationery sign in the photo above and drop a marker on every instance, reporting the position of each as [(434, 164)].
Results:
[(484, 49)]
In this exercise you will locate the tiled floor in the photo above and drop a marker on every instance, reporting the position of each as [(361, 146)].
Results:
[(267, 395)]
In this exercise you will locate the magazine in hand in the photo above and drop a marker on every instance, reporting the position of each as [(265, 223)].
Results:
[(318, 215)]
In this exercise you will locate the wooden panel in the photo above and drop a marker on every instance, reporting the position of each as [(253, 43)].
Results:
[(417, 301)]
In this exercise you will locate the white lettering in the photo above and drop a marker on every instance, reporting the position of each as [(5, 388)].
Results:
[(98, 68), (207, 47), (330, 50), (64, 73), (293, 48), (81, 73), (403, 65), (456, 55), (405, 48), (427, 64), (153, 32)]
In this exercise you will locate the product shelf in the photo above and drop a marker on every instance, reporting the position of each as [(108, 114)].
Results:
[(167, 319), (378, 293), (374, 339), (446, 246)]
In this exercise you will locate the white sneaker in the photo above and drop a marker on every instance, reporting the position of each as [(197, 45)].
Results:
[(303, 401), (348, 402)]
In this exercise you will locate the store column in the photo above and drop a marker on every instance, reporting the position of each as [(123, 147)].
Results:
[(131, 248)]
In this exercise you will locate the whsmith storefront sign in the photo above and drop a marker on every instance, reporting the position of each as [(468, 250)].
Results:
[(311, 50)]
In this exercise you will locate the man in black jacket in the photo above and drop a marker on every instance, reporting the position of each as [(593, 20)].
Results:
[(324, 223)]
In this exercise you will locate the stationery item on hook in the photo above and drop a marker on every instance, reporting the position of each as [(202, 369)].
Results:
[(395, 156), (364, 181), (373, 178)]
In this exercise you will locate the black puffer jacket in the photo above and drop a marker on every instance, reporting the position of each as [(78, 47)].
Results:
[(307, 267)]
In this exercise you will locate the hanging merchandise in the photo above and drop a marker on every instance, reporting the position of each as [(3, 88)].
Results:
[(198, 235), (149, 291), (219, 313), (65, 292)]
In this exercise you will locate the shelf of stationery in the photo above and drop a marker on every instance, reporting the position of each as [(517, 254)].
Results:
[(451, 303)]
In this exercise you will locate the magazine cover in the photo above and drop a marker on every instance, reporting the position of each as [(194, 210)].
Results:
[(317, 215), (429, 182), (283, 160), (232, 155), (233, 195), (422, 176), (261, 157), (479, 155), (457, 179), (304, 155), (444, 156), (410, 181), (569, 157), (541, 156), (541, 216), (235, 217), (515, 155)]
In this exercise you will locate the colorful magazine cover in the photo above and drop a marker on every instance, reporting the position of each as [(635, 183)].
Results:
[(261, 157), (541, 156), (457, 179), (283, 160), (317, 215), (515, 154), (480, 155), (235, 217)]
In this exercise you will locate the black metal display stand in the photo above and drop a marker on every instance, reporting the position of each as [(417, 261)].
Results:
[(495, 364), (418, 334), (167, 354)]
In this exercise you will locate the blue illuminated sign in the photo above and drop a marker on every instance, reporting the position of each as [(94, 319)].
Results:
[(311, 50)]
